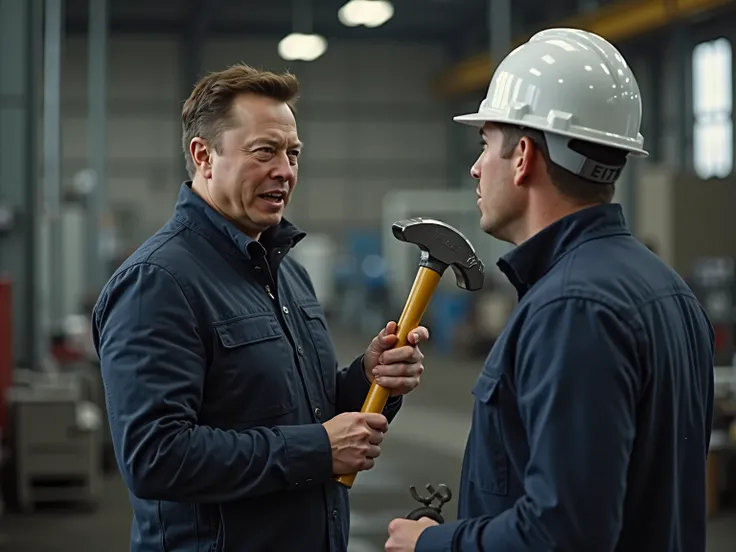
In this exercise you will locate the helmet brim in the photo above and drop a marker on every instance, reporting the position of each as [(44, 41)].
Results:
[(480, 119)]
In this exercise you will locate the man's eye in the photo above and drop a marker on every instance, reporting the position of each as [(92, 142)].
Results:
[(482, 144), (294, 153), (265, 149)]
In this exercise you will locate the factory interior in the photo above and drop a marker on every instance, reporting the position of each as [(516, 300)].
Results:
[(91, 164)]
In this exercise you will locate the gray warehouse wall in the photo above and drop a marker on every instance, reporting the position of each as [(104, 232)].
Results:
[(367, 120)]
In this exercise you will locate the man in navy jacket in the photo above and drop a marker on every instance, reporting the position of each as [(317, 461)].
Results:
[(593, 410), (229, 416)]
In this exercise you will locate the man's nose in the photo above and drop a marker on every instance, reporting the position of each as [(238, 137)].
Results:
[(475, 171), (283, 170)]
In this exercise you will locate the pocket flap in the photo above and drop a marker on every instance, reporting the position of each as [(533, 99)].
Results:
[(485, 387), (248, 330), (313, 311)]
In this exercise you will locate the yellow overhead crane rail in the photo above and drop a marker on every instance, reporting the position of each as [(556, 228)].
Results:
[(615, 22)]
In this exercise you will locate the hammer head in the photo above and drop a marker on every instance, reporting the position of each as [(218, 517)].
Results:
[(442, 246)]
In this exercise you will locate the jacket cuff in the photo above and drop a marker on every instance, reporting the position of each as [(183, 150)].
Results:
[(438, 538), (309, 454)]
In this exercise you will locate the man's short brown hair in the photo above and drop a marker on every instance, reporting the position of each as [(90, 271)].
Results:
[(206, 113), (569, 184)]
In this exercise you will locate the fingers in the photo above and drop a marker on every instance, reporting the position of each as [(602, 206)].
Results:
[(418, 335), (376, 438), (386, 338), (398, 370), (399, 386), (376, 421), (373, 452), (407, 354)]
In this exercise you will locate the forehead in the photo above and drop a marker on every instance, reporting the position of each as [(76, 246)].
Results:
[(260, 115), (489, 131)]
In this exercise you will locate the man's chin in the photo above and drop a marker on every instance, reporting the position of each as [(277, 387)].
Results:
[(268, 221)]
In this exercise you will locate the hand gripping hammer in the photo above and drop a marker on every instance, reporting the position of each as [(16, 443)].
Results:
[(441, 246)]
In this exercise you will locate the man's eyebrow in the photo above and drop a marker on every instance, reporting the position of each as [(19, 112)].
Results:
[(273, 142)]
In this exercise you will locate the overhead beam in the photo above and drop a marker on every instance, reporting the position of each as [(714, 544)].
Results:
[(76, 26), (616, 22)]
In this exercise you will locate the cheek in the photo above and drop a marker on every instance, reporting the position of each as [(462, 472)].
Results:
[(488, 177)]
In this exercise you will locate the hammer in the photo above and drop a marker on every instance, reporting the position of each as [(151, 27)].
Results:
[(441, 246)]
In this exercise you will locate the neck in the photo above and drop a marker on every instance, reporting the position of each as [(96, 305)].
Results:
[(201, 188), (543, 212)]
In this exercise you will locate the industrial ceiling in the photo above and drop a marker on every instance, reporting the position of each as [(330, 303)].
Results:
[(460, 25)]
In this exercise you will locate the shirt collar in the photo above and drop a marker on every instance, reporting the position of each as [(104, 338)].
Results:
[(527, 263), (195, 213)]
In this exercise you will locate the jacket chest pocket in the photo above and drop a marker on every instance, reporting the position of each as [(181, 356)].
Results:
[(319, 334), (252, 377), (488, 470)]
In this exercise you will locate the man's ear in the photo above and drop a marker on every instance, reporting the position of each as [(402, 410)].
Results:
[(525, 156), (200, 152)]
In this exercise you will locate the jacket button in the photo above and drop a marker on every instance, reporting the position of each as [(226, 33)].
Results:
[(334, 514), (318, 413), (285, 309), (300, 351)]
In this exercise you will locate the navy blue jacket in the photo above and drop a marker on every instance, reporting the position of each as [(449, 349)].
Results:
[(593, 411), (219, 371)]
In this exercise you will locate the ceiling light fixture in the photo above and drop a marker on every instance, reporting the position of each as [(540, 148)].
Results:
[(302, 47), (370, 13)]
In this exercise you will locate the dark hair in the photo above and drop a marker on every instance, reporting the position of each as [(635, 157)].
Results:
[(206, 113), (569, 184)]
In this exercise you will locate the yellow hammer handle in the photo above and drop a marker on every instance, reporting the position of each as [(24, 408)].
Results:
[(416, 304)]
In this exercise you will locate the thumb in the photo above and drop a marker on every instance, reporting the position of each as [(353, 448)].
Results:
[(386, 338)]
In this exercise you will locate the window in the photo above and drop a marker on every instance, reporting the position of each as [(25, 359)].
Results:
[(713, 109)]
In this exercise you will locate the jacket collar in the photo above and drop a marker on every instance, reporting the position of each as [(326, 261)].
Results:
[(526, 264), (193, 212)]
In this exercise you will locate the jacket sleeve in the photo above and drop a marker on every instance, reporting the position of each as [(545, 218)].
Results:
[(577, 382), (153, 359), (352, 389)]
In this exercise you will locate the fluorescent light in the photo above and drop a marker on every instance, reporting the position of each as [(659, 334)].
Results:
[(370, 13), (302, 47)]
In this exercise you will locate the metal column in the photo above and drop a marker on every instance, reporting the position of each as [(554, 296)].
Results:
[(500, 29), (54, 270), (96, 141), (191, 48), (21, 39)]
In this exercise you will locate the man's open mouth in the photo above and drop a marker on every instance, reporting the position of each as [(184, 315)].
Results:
[(274, 197)]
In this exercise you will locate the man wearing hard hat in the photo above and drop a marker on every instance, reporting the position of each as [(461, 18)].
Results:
[(593, 411)]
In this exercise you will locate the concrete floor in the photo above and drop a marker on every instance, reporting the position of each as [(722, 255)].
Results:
[(424, 445)]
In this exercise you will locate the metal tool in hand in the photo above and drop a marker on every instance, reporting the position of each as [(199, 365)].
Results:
[(441, 246), (442, 495)]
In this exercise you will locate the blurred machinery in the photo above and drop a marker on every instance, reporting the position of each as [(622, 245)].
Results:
[(51, 422), (713, 281), (56, 439)]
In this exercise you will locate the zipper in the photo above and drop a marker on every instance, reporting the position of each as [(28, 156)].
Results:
[(268, 290)]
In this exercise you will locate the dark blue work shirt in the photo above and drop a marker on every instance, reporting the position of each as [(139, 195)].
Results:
[(219, 371), (593, 411)]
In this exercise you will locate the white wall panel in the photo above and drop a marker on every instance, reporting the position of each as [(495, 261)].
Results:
[(365, 116)]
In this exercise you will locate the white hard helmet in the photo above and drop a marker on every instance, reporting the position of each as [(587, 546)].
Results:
[(570, 84)]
